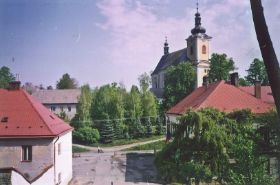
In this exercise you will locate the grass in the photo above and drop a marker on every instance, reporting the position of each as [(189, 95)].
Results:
[(120, 142), (150, 146), (77, 149)]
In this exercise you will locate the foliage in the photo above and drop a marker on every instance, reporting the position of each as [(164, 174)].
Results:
[(149, 130), (149, 104), (5, 77), (159, 126), (243, 82), (83, 109), (257, 72), (179, 82), (133, 103), (220, 67), (107, 130), (63, 115), (144, 81), (86, 135), (66, 82), (205, 141)]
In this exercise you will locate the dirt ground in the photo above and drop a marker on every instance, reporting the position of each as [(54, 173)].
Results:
[(114, 168)]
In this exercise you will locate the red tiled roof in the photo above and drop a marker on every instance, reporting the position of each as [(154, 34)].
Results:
[(266, 93), (27, 117), (222, 96)]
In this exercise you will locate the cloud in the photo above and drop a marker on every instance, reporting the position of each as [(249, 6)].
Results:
[(137, 30)]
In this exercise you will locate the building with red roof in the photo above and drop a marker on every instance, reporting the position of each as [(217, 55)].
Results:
[(220, 95), (35, 144)]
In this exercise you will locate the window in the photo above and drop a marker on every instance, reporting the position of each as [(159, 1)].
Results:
[(191, 50), (59, 148), (69, 108), (26, 153), (4, 120), (52, 108), (203, 49)]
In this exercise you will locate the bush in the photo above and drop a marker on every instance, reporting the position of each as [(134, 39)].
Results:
[(86, 135)]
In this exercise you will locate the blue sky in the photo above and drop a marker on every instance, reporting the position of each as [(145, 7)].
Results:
[(104, 41)]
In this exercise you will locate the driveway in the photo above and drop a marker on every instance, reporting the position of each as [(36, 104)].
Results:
[(114, 168)]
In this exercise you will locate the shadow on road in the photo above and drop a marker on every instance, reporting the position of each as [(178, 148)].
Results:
[(141, 168)]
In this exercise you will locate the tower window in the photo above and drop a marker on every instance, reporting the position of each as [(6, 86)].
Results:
[(203, 49), (26, 153), (191, 50)]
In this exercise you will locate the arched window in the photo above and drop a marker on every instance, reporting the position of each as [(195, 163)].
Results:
[(203, 49), (191, 50)]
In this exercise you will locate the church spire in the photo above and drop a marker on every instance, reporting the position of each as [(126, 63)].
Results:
[(198, 28), (166, 48)]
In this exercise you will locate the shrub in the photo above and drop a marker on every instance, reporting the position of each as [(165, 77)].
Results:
[(86, 135)]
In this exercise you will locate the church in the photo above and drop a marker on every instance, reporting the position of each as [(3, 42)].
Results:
[(196, 52)]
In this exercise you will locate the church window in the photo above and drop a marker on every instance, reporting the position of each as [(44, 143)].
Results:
[(191, 50), (203, 49)]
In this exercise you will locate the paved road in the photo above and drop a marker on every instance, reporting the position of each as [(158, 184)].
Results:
[(118, 148), (117, 168)]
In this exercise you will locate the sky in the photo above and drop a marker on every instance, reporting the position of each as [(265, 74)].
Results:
[(104, 41)]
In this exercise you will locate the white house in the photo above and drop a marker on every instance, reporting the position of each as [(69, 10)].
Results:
[(35, 145), (59, 100)]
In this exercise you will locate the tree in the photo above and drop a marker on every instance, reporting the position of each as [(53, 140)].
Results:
[(220, 67), (179, 82), (144, 81), (267, 50), (86, 135), (107, 131), (29, 87), (133, 103), (257, 72), (149, 104), (5, 77), (84, 106), (66, 82), (159, 126), (243, 82)]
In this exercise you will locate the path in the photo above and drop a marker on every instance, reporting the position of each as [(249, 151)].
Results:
[(118, 148)]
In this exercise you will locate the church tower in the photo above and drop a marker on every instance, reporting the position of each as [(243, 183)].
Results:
[(198, 49)]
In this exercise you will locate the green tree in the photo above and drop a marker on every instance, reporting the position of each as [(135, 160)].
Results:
[(220, 67), (149, 104), (5, 77), (133, 103), (179, 82), (243, 82), (149, 130), (108, 100), (257, 72), (84, 106), (107, 131), (66, 82), (144, 81), (159, 126), (87, 135)]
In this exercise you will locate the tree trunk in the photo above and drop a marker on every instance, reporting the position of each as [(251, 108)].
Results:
[(267, 50)]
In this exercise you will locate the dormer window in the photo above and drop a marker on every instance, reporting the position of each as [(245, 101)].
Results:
[(203, 49), (4, 120)]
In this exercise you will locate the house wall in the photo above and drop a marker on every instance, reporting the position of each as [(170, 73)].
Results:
[(63, 107), (46, 178), (42, 155), (63, 161)]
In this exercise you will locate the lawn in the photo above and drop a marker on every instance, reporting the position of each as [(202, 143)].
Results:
[(150, 146), (76, 149), (127, 141)]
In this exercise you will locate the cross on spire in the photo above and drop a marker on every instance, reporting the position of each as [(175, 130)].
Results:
[(197, 6)]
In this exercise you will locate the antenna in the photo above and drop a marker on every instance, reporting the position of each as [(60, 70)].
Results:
[(165, 38)]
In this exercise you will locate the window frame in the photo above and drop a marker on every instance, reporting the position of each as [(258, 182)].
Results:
[(26, 153), (204, 49)]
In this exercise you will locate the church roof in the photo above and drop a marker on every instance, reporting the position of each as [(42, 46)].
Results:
[(222, 96), (21, 115), (169, 59)]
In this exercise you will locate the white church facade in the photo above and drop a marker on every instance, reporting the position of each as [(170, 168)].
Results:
[(197, 53)]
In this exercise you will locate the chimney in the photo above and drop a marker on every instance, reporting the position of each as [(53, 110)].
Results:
[(258, 90), (205, 81), (14, 85), (234, 79)]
